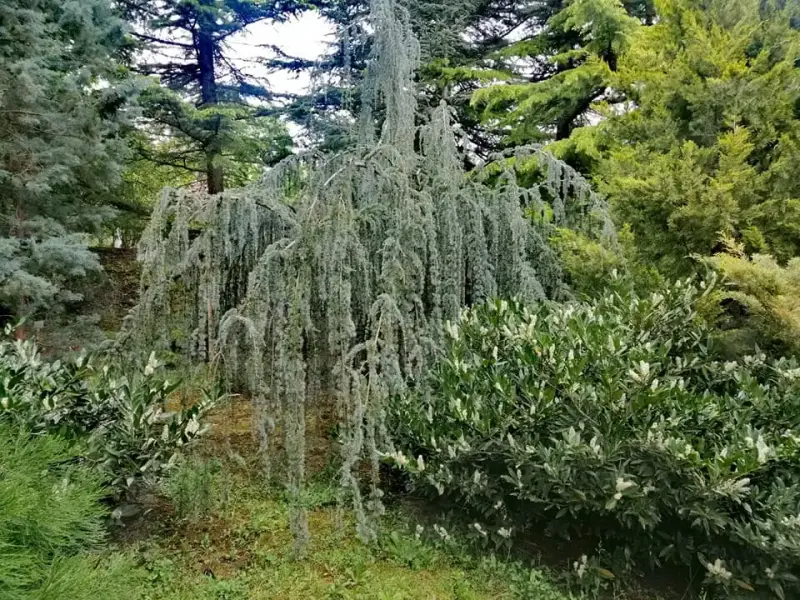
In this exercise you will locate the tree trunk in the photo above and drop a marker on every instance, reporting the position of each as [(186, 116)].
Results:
[(208, 93), (564, 128), (566, 124), (650, 13)]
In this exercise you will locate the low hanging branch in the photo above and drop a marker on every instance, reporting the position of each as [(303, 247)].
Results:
[(341, 271)]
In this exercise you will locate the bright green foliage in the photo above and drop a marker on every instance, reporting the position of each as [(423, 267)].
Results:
[(592, 268), (581, 43), (121, 418), (763, 299), (708, 144), (50, 513), (612, 420), (61, 154)]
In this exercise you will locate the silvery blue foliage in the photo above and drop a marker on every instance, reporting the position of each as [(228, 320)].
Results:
[(331, 277)]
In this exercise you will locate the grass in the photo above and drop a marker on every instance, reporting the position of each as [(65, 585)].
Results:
[(224, 535), (244, 551)]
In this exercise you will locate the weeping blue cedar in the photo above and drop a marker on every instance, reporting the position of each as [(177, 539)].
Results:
[(332, 276)]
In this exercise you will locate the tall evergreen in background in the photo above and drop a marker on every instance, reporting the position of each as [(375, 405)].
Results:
[(707, 146), (214, 112), (563, 61), (61, 148), (552, 59)]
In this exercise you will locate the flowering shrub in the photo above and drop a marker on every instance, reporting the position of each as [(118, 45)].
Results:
[(122, 417), (613, 420)]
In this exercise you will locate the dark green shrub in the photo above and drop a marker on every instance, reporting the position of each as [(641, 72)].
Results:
[(120, 414), (611, 420), (50, 514)]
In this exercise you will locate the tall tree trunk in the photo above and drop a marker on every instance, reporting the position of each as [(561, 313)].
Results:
[(566, 125), (650, 13), (208, 94)]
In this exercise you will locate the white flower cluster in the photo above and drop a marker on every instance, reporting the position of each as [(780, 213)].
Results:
[(596, 449), (152, 365), (398, 458), (734, 488), (479, 529), (792, 521), (790, 374), (442, 533), (679, 448), (621, 486), (764, 451), (580, 566), (717, 570)]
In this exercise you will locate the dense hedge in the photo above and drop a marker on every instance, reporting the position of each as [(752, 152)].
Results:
[(613, 420)]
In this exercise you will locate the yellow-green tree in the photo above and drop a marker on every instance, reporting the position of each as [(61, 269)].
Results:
[(708, 139)]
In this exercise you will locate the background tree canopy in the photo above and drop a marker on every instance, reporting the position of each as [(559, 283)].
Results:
[(707, 139)]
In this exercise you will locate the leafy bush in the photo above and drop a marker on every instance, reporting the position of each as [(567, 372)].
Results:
[(611, 420), (122, 417), (50, 513)]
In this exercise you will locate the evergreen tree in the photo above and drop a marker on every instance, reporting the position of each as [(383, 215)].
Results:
[(564, 63), (61, 149), (333, 276), (710, 139), (213, 112)]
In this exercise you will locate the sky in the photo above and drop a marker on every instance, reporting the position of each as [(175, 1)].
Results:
[(305, 37)]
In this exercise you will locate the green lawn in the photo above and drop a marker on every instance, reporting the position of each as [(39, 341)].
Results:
[(245, 552)]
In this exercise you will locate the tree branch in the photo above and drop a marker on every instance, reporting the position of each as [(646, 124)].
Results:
[(157, 40)]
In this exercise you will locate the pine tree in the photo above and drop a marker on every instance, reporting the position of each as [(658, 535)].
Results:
[(216, 115), (557, 71), (61, 151)]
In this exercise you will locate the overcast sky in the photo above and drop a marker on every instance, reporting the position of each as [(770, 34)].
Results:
[(305, 37)]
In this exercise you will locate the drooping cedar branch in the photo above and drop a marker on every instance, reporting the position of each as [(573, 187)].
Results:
[(338, 272)]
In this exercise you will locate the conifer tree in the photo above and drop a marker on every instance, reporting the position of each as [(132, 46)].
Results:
[(559, 69), (708, 146), (62, 97), (212, 109), (333, 276)]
